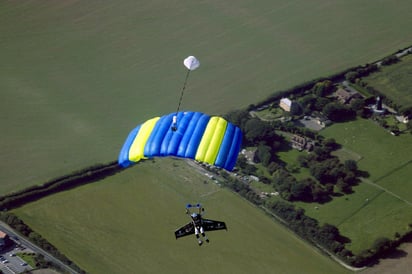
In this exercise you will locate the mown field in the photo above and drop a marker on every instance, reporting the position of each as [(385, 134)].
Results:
[(381, 204), (76, 76), (125, 224), (394, 81)]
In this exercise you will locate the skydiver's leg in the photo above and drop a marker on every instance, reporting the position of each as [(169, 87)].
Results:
[(199, 241), (203, 234)]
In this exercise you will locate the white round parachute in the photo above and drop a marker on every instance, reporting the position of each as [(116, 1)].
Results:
[(191, 63)]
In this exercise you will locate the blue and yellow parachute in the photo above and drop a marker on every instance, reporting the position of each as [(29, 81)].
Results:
[(198, 136)]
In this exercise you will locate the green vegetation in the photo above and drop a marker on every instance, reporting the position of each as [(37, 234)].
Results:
[(290, 157), (29, 258), (371, 211), (394, 81), (77, 76), (375, 210), (125, 224)]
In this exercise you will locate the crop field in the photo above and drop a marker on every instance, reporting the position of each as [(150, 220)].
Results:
[(381, 204), (125, 224), (394, 81), (76, 76)]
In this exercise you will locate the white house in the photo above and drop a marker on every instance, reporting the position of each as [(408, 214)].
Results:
[(285, 104)]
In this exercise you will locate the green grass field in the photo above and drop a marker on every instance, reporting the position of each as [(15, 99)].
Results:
[(76, 76), (394, 81), (125, 224), (381, 205)]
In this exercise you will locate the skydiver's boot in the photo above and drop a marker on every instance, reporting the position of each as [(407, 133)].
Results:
[(200, 242), (205, 237)]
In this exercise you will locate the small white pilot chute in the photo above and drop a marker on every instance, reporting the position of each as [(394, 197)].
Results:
[(191, 63)]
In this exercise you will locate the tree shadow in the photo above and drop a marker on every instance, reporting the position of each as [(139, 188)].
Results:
[(396, 254), (362, 173), (284, 147)]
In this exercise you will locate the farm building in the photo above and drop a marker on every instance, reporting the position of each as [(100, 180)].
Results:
[(285, 104), (300, 143), (345, 97), (249, 155)]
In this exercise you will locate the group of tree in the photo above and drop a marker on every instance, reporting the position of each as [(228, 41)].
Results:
[(319, 99), (237, 185), (329, 176), (360, 72)]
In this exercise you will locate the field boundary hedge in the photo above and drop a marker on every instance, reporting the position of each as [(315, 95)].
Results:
[(66, 182)]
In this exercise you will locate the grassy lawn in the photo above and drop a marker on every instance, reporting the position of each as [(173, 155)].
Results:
[(345, 154), (270, 113), (381, 152), (292, 165), (394, 81), (28, 258), (76, 76), (371, 211), (125, 224), (363, 216)]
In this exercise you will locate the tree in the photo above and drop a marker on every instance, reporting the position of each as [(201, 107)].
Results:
[(264, 154), (302, 160), (330, 144), (323, 88), (238, 117), (342, 186), (296, 109), (338, 113), (257, 131), (351, 165), (242, 161), (307, 100), (381, 245), (357, 105), (273, 166), (320, 103), (390, 60), (351, 76)]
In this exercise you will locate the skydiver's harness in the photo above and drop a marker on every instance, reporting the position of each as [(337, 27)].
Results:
[(197, 220), (196, 217)]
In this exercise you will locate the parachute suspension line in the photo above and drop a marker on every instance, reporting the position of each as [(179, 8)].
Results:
[(174, 125)]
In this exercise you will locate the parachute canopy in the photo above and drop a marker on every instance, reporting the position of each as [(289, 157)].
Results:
[(198, 136), (191, 63)]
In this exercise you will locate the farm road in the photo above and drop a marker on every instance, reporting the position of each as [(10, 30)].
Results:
[(4, 227)]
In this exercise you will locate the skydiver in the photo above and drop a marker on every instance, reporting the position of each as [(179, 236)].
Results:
[(174, 123), (197, 222)]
